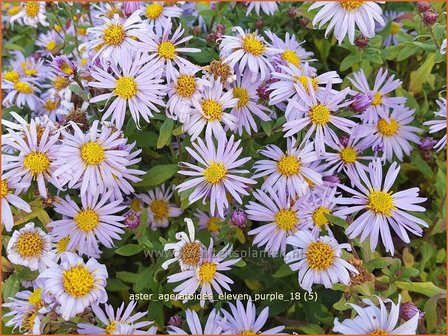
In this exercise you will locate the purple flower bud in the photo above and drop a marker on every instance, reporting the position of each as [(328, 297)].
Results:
[(220, 29), (239, 218), (423, 6), (361, 41), (175, 321), (292, 12), (408, 311), (211, 38), (304, 22), (427, 144), (344, 140), (332, 179), (430, 17), (63, 66), (132, 219), (263, 92), (259, 23), (361, 102), (130, 7)]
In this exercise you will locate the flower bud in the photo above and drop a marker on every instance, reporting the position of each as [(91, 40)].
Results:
[(130, 7), (361, 102), (63, 66), (361, 41), (132, 219), (333, 179), (292, 12), (239, 218), (430, 17), (343, 140), (220, 29), (175, 321), (259, 23), (304, 22), (427, 144), (211, 38), (408, 310), (423, 6)]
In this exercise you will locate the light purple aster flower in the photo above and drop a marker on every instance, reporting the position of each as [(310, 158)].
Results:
[(212, 325), (288, 171), (383, 208), (439, 124), (395, 26), (381, 88), (96, 221), (268, 7), (218, 172), (244, 321), (20, 93), (318, 110), (160, 12)]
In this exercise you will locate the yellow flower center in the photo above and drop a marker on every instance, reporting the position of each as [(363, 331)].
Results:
[(87, 220), (247, 332), (186, 85), (395, 27), (348, 155), (153, 11), (290, 56), (286, 220), (159, 209), (351, 5), (252, 45), (319, 114), (23, 87), (62, 244), (32, 9), (60, 83), (28, 71), (82, 31), (111, 12), (190, 254), (12, 76), (14, 10), (319, 216), (126, 87), (28, 321), (212, 109), (51, 105), (4, 190), (36, 162), (243, 96), (213, 224), (221, 70), (304, 81), (207, 272), (30, 244), (78, 281), (51, 45), (36, 298), (319, 256), (379, 332), (65, 68), (114, 35), (92, 153), (381, 202), (136, 205), (111, 327), (387, 129), (215, 173), (288, 165), (167, 50), (377, 99)]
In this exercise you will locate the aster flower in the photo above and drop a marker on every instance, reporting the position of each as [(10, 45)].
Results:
[(206, 276), (30, 67), (114, 39), (212, 326), (188, 251), (318, 110), (75, 284), (36, 159), (159, 13), (31, 13), (182, 91), (318, 260), (376, 321), (209, 222), (52, 107), (292, 51), (392, 133), (93, 160), (217, 173), (31, 247), (160, 209), (244, 321), (268, 7), (95, 221), (395, 27), (381, 88), (382, 208), (135, 86), (49, 43), (164, 49), (282, 215), (288, 171), (440, 124), (248, 50), (9, 197), (209, 112), (112, 320), (344, 16), (21, 92), (63, 66)]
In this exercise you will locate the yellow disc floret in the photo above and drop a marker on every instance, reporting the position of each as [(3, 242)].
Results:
[(288, 165), (159, 209), (348, 155), (207, 272), (78, 281), (212, 109), (215, 172), (87, 220), (185, 85), (243, 96), (319, 256), (381, 202), (252, 45), (319, 114), (167, 50), (290, 56), (387, 128), (286, 220), (36, 162), (92, 153), (30, 244), (126, 87), (114, 35), (154, 10)]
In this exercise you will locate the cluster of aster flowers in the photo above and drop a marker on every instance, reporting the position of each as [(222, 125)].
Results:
[(132, 65)]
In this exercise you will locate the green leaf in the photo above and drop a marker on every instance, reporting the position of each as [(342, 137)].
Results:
[(158, 175), (430, 310), (129, 250), (165, 133), (349, 61), (336, 220), (116, 285), (425, 288), (11, 286), (378, 263), (407, 52), (422, 74), (127, 276), (373, 55), (283, 271)]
